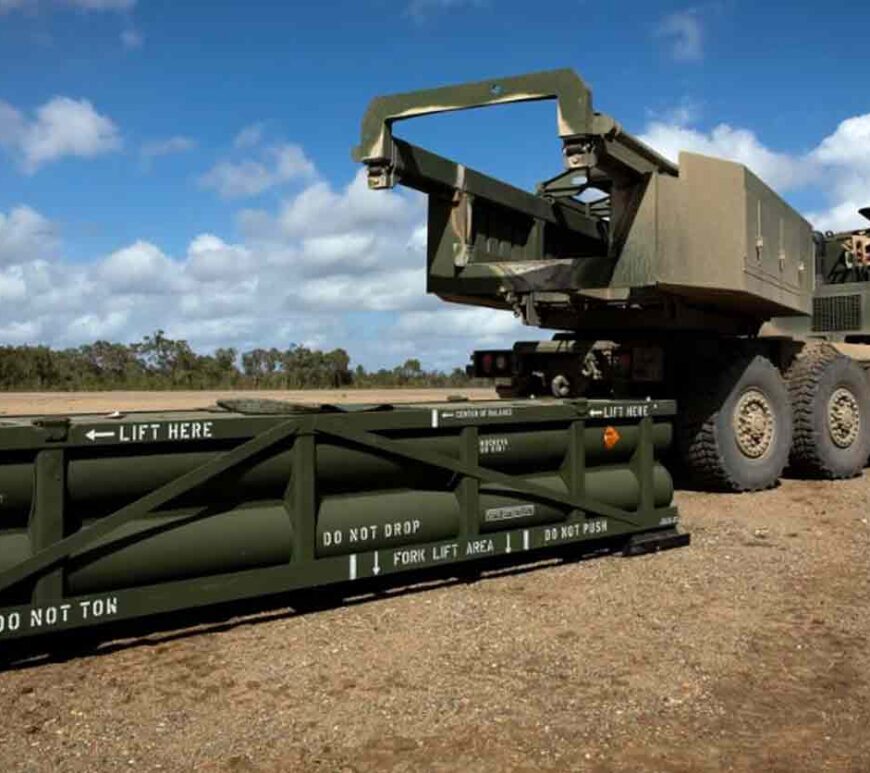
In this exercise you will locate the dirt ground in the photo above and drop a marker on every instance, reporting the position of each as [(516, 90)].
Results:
[(746, 651), (12, 403)]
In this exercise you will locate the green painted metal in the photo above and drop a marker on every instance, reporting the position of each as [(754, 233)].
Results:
[(95, 481), (620, 240), (222, 506)]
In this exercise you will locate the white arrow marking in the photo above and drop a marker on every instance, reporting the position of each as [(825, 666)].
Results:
[(352, 571), (377, 568), (508, 548), (596, 412), (92, 435)]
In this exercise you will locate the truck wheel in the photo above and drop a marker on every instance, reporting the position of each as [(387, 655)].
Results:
[(830, 396), (737, 427)]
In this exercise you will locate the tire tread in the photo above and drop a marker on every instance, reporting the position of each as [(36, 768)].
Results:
[(699, 444), (803, 379)]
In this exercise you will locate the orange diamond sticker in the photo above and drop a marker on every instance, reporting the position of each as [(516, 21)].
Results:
[(611, 437)]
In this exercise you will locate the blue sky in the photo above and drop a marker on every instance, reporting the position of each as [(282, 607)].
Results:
[(186, 165)]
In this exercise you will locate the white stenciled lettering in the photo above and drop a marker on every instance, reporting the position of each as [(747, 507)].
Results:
[(636, 411), (472, 413), (10, 622), (401, 528), (363, 533), (408, 557), (98, 608), (189, 430), (58, 615), (137, 433), (48, 616), (494, 445), (571, 531), (508, 513), (479, 546), (391, 530), (445, 552)]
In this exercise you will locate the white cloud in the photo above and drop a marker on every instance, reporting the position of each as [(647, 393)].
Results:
[(319, 210), (392, 290), (840, 217), (684, 34), (839, 166), (844, 157), (25, 236), (12, 125), (347, 251), (249, 136), (156, 148), (291, 163), (211, 259), (137, 269), (849, 145), (352, 276), (61, 127), (484, 325), (330, 266), (235, 180), (97, 327), (12, 285), (273, 289), (325, 253), (687, 112), (279, 165), (779, 170), (20, 332)]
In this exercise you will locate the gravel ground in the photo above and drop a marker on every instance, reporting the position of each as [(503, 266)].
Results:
[(745, 651), (30, 403)]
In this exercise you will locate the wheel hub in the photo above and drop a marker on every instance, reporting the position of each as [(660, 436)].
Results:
[(754, 424), (844, 417)]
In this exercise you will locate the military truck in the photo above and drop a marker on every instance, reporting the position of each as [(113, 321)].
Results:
[(692, 280)]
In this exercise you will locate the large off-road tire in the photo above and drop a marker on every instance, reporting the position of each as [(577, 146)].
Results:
[(830, 397), (736, 426)]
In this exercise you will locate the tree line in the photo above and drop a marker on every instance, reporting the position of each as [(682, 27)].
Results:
[(159, 362)]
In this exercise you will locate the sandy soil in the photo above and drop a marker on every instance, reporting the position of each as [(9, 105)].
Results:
[(747, 651), (12, 403)]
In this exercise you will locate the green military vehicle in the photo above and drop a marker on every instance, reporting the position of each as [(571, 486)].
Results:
[(692, 280)]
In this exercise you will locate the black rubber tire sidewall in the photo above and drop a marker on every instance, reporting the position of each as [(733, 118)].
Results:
[(751, 474), (841, 462)]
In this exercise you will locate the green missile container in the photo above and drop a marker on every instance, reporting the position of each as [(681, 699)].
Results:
[(97, 479), (107, 519)]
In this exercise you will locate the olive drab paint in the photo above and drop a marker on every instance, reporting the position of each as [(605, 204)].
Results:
[(110, 519), (703, 234), (703, 244), (663, 279)]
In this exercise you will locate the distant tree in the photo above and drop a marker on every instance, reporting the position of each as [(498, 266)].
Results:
[(159, 362)]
